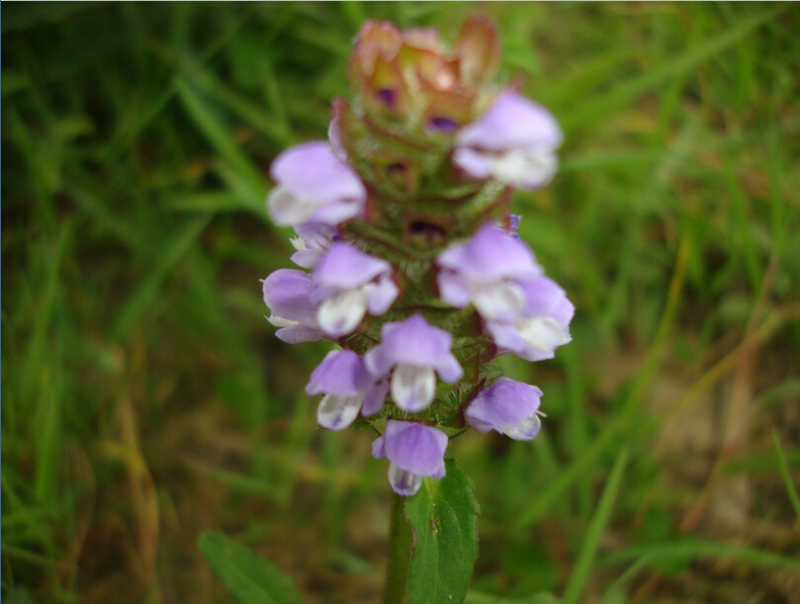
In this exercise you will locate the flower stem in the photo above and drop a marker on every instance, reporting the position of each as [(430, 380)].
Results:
[(399, 553)]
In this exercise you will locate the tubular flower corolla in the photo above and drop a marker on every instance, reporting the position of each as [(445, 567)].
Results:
[(514, 142), (288, 295), (508, 407), (314, 185), (414, 351), (350, 283), (414, 451), (348, 388)]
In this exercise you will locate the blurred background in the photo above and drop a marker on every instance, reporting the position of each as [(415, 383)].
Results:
[(146, 399)]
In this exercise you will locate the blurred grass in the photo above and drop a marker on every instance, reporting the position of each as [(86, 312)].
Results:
[(140, 378)]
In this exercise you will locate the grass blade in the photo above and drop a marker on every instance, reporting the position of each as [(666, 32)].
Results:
[(583, 566), (787, 478), (210, 124), (651, 79), (148, 290), (693, 549)]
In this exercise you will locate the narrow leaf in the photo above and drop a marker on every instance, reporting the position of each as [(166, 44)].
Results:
[(148, 290), (443, 517), (692, 549), (210, 123), (249, 578), (787, 478), (591, 541)]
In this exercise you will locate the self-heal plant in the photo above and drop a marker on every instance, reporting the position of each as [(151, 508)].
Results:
[(417, 273)]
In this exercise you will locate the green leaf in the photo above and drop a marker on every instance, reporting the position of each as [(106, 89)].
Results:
[(250, 578), (444, 520), (475, 597)]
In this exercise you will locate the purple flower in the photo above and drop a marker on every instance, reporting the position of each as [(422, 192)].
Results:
[(525, 312), (416, 351), (543, 325), (487, 271), (314, 185), (350, 283), (507, 406), (514, 142), (414, 451), (288, 294), (314, 238), (348, 388)]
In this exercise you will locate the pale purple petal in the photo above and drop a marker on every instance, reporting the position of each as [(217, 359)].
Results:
[(417, 343), (512, 338), (381, 296), (473, 162), (312, 171), (412, 447), (379, 447), (344, 267), (297, 334), (338, 211), (373, 401), (508, 339), (547, 298), (503, 406), (563, 312), (452, 288), (314, 185), (288, 294), (512, 121), (307, 258), (491, 255), (342, 372), (317, 235)]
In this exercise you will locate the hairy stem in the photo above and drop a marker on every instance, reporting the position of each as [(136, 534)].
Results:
[(399, 553)]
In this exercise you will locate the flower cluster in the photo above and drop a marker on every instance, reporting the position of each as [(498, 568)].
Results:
[(412, 263)]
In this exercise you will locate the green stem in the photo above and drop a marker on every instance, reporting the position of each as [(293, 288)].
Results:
[(399, 553)]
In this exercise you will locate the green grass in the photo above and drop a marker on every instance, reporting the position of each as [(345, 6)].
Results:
[(146, 400)]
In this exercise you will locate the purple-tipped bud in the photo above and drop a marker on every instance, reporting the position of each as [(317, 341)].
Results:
[(507, 406), (314, 185), (415, 351), (414, 451), (514, 142)]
